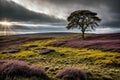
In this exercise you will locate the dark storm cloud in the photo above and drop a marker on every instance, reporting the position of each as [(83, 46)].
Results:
[(115, 24), (31, 10), (107, 9), (112, 5), (16, 12)]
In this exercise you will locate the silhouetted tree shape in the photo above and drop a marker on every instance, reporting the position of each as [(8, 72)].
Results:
[(83, 19)]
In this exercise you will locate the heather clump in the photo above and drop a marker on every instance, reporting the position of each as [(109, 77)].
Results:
[(12, 69), (71, 74)]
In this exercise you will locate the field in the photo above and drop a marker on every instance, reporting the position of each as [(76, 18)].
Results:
[(98, 55)]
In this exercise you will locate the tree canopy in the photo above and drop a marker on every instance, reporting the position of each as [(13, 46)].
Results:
[(83, 19)]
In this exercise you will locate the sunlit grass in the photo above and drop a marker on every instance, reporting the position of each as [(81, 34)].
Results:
[(21, 54)]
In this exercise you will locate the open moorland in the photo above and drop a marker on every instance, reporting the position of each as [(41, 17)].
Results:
[(57, 56)]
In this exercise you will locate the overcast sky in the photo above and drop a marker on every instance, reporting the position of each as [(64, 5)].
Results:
[(50, 15)]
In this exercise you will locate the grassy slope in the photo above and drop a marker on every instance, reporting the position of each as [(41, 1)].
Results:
[(102, 65)]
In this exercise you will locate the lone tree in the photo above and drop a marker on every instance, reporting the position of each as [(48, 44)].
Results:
[(83, 20)]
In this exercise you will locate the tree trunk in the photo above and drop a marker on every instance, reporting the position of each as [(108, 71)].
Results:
[(83, 35), (83, 32)]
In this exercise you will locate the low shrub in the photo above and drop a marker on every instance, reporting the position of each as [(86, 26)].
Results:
[(2, 62), (14, 68), (38, 72), (46, 51), (10, 51), (1, 65), (71, 74)]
